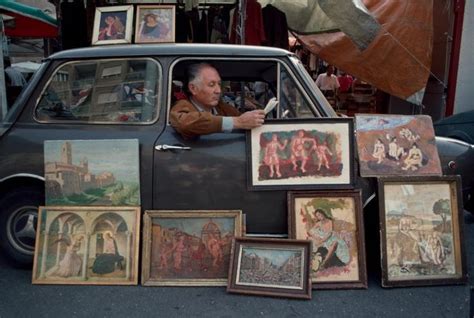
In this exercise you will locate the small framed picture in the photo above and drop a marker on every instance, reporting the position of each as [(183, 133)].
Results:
[(421, 224), (301, 154), (270, 267), (87, 245), (113, 25), (155, 24), (333, 222), (396, 145), (188, 248)]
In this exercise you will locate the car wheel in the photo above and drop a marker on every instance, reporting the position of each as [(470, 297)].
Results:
[(18, 219)]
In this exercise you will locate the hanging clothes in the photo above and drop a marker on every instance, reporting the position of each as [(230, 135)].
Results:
[(184, 30), (219, 30), (276, 27), (254, 29)]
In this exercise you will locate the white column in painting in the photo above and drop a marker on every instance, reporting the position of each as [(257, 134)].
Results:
[(43, 255), (127, 253), (58, 250), (85, 259)]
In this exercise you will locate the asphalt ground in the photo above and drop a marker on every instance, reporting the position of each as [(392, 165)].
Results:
[(19, 298)]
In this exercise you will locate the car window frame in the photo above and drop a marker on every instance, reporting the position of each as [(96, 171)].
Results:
[(159, 95), (279, 61)]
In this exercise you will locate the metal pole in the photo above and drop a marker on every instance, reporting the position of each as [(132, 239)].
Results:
[(3, 90), (242, 18)]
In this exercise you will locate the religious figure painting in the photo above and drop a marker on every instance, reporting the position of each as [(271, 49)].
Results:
[(270, 267), (333, 222), (396, 145), (421, 231), (155, 24), (188, 248), (92, 172), (301, 154), (113, 25), (87, 246)]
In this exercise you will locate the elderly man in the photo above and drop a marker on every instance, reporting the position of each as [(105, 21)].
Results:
[(204, 112)]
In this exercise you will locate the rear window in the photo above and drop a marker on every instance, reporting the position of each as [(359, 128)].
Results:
[(103, 91)]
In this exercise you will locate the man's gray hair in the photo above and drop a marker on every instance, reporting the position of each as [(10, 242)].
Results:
[(194, 72)]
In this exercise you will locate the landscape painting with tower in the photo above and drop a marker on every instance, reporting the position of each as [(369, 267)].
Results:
[(92, 172)]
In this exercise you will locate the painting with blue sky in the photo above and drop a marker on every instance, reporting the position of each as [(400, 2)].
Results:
[(92, 172)]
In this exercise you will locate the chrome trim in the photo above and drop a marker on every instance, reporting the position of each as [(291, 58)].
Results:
[(29, 175), (125, 58), (456, 141), (369, 199)]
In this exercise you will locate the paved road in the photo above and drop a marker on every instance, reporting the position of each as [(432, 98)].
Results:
[(18, 298)]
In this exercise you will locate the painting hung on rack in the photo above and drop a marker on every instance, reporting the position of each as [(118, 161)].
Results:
[(332, 221), (155, 24), (112, 25), (92, 172), (188, 248), (299, 154), (421, 231), (87, 246), (396, 145)]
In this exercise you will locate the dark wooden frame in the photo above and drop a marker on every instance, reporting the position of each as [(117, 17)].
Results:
[(238, 243), (318, 183), (360, 237), (146, 280), (454, 183)]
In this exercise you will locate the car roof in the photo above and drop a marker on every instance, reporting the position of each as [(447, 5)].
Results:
[(169, 49)]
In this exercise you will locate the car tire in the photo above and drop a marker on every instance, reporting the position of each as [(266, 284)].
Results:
[(18, 220)]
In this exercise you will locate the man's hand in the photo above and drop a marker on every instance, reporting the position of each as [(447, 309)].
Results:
[(249, 120)]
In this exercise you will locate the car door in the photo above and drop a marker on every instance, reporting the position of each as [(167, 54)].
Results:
[(210, 173)]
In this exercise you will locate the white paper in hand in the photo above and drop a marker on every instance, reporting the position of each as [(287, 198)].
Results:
[(270, 105)]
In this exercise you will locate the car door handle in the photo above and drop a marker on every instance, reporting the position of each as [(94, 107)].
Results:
[(170, 147)]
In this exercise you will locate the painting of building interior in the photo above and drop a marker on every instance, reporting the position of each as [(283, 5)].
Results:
[(87, 245), (396, 145), (330, 223), (419, 231), (92, 172), (192, 246)]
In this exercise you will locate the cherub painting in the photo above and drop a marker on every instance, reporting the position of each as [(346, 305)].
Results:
[(396, 145)]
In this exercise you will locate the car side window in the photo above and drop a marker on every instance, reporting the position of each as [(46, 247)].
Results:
[(292, 103), (250, 84), (103, 91)]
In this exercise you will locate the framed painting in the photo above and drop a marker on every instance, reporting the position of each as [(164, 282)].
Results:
[(333, 222), (82, 172), (113, 25), (396, 145), (188, 248), (301, 154), (155, 24), (421, 224), (87, 246), (270, 267)]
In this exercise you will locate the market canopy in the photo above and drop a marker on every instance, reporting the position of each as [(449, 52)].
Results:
[(21, 20), (384, 42)]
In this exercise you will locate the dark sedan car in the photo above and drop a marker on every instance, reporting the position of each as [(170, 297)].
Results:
[(88, 94), (459, 126)]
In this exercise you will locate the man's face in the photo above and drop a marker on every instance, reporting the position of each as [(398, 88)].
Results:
[(207, 92)]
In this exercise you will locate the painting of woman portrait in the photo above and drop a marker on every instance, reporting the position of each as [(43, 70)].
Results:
[(333, 224), (155, 24), (113, 25)]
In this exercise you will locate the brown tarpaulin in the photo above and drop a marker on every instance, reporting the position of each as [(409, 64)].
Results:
[(398, 60)]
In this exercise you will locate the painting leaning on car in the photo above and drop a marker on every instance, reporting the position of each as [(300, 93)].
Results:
[(82, 94), (82, 172)]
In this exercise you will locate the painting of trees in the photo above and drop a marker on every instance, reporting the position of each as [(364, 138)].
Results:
[(442, 207)]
